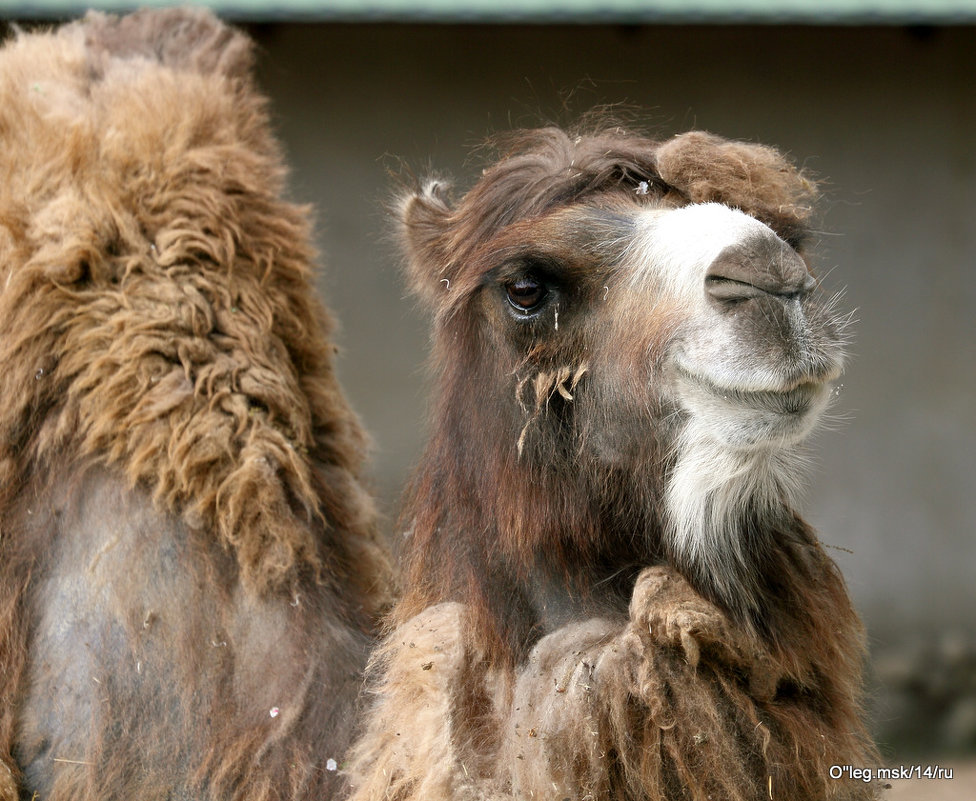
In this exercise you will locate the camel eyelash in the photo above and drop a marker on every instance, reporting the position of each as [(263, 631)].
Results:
[(527, 294), (529, 286)]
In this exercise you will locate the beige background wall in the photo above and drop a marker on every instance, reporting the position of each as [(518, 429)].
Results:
[(886, 115)]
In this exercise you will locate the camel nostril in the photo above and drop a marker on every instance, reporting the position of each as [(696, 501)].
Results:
[(730, 290), (734, 290), (756, 268)]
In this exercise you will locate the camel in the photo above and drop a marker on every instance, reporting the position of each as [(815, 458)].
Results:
[(191, 574), (607, 590)]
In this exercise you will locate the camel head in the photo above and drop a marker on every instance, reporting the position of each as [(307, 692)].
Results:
[(630, 348)]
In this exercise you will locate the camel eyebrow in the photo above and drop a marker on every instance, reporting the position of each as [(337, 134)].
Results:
[(597, 235), (545, 265)]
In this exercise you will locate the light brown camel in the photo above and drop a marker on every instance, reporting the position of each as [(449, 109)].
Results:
[(190, 571)]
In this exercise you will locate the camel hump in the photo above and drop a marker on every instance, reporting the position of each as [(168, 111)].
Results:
[(183, 39)]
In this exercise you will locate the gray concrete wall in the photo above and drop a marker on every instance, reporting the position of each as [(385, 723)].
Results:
[(886, 116)]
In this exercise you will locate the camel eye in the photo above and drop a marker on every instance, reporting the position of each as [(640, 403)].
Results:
[(526, 293)]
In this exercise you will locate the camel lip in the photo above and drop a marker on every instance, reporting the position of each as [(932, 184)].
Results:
[(795, 397)]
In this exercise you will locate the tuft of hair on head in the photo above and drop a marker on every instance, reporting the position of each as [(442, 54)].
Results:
[(755, 179)]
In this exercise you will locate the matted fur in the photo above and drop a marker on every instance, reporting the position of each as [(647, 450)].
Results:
[(552, 640), (674, 704), (162, 350)]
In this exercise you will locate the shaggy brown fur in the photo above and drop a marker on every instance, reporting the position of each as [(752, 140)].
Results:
[(561, 635), (190, 571)]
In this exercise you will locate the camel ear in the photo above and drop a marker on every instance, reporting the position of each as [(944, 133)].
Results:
[(753, 178), (426, 232)]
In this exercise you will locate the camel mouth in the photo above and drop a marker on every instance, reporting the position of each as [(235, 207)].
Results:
[(791, 402), (794, 398)]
